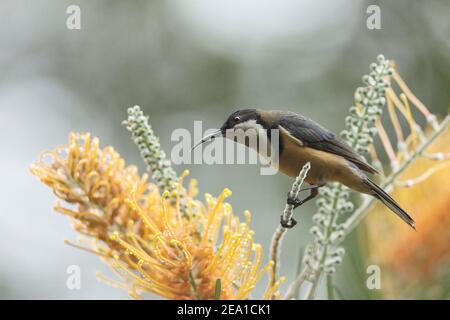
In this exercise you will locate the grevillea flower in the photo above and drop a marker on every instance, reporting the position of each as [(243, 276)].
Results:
[(142, 234), (411, 258)]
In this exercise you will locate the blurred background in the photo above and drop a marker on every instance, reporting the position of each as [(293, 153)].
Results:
[(183, 61)]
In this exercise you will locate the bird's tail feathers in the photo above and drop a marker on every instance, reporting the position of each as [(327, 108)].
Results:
[(389, 202)]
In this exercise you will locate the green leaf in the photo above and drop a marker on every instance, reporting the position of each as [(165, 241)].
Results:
[(330, 287), (218, 289)]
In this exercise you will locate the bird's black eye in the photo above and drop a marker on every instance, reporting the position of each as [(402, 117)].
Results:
[(236, 119)]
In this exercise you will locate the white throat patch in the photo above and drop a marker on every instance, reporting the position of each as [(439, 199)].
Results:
[(249, 124), (250, 133)]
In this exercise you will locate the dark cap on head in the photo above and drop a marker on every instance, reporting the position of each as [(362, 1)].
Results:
[(239, 116)]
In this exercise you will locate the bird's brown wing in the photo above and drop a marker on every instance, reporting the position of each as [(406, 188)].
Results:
[(311, 134)]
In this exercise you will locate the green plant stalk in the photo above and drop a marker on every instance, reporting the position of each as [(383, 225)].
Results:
[(150, 149), (317, 273), (217, 289), (153, 155), (330, 287)]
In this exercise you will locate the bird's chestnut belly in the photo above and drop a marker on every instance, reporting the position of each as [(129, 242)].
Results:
[(325, 167)]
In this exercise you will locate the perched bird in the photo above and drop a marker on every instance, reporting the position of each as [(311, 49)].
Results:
[(302, 140)]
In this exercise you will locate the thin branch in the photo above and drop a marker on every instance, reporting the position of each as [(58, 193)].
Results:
[(299, 269), (288, 212), (295, 286), (310, 294)]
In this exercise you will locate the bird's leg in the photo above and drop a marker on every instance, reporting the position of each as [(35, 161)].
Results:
[(298, 202), (312, 186)]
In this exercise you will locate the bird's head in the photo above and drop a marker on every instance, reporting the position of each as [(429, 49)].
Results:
[(244, 120)]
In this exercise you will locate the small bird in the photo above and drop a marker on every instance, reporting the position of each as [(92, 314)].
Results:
[(302, 140)]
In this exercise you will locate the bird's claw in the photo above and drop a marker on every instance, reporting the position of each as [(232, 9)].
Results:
[(288, 224), (292, 201)]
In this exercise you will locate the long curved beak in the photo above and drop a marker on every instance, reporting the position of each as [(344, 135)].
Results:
[(209, 137)]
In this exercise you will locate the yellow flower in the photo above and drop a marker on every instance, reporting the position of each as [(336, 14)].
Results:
[(143, 235)]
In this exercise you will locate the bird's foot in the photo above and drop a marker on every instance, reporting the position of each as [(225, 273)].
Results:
[(292, 201), (288, 224)]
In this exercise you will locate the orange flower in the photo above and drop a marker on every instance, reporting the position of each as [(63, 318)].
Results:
[(143, 235), (423, 190)]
